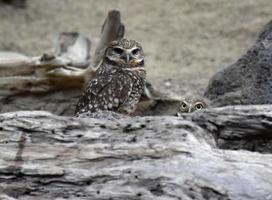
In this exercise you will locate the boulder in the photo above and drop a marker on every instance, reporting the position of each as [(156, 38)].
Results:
[(247, 81)]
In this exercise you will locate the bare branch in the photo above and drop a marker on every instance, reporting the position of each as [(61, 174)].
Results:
[(112, 29), (63, 68)]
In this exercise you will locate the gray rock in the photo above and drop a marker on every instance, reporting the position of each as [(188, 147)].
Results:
[(44, 156), (249, 80)]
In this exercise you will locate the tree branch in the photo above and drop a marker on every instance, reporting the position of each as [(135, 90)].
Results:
[(112, 29)]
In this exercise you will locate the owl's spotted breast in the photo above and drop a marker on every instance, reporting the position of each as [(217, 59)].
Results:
[(118, 92)]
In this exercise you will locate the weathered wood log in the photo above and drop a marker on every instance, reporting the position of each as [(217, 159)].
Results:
[(239, 127), (74, 47), (44, 156), (63, 68), (112, 29), (40, 83), (70, 49), (58, 102)]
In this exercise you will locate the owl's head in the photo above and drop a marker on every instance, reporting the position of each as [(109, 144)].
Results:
[(188, 105), (125, 53)]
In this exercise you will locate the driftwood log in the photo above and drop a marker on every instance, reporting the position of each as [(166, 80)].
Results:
[(59, 69), (44, 156), (112, 29), (50, 82)]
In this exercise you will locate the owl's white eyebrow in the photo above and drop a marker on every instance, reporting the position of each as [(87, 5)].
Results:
[(130, 50), (134, 69)]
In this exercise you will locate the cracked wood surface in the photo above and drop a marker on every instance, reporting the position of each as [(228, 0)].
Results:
[(63, 68), (49, 157)]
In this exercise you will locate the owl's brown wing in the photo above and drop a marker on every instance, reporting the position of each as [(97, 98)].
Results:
[(105, 93)]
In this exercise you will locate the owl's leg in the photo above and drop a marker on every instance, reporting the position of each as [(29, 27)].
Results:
[(135, 112), (132, 112)]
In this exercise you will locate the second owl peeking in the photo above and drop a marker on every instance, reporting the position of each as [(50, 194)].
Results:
[(119, 82)]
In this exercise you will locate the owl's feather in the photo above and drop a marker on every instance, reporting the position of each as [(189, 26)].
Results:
[(107, 92)]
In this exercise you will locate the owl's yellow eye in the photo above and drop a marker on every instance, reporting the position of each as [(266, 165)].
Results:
[(199, 106)]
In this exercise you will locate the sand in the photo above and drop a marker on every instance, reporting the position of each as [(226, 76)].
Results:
[(185, 42)]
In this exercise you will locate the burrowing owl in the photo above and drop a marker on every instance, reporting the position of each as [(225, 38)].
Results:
[(188, 105), (119, 81)]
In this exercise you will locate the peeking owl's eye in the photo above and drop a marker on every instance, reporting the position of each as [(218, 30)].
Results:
[(183, 108), (199, 106), (117, 50), (135, 51), (183, 105)]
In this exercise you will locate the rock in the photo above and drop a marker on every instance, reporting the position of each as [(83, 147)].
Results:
[(44, 156), (249, 80)]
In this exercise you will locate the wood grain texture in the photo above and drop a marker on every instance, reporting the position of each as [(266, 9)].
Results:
[(46, 156), (111, 30)]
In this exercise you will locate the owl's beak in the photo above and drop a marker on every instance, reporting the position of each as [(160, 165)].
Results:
[(191, 109), (127, 57)]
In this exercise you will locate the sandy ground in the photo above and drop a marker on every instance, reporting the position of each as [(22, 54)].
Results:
[(185, 41)]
